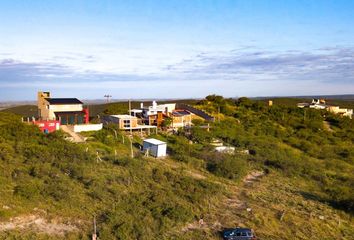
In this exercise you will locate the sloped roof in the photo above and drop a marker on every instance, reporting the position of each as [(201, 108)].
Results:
[(178, 113), (59, 101)]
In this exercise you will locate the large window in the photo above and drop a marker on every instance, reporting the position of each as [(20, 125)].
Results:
[(80, 119), (71, 119), (126, 123), (63, 120)]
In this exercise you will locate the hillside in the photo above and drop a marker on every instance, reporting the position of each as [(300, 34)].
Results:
[(295, 183)]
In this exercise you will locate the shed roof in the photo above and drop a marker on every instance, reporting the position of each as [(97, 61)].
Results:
[(59, 101), (154, 141)]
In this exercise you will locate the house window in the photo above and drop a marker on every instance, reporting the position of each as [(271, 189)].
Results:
[(126, 123)]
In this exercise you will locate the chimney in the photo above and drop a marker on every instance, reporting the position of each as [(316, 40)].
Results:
[(141, 105)]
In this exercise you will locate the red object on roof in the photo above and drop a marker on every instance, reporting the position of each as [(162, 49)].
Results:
[(47, 126)]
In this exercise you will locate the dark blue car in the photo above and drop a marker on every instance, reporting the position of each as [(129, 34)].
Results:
[(239, 234)]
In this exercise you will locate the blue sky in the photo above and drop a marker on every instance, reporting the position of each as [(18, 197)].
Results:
[(175, 49)]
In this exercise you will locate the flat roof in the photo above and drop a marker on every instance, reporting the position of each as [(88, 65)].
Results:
[(154, 141), (136, 110), (68, 112), (122, 116), (63, 101)]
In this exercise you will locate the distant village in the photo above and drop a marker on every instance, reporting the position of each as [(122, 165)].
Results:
[(321, 104)]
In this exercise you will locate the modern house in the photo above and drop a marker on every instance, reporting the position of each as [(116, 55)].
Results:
[(181, 115), (68, 111), (154, 147), (181, 118), (126, 122), (154, 115)]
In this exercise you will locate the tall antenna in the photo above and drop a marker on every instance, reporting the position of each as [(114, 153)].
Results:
[(107, 96)]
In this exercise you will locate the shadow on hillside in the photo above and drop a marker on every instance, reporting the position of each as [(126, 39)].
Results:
[(340, 205)]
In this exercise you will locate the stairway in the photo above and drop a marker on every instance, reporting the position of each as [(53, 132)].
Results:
[(77, 138), (196, 111)]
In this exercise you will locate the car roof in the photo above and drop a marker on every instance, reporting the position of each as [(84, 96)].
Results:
[(238, 230)]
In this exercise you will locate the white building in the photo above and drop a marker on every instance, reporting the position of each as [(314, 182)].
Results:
[(225, 149), (154, 147), (155, 109)]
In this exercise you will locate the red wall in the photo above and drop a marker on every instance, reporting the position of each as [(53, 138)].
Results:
[(87, 116), (47, 126)]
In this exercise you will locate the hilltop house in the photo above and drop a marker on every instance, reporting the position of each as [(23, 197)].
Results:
[(126, 122), (181, 118), (321, 104), (341, 111), (181, 115), (154, 115), (68, 111)]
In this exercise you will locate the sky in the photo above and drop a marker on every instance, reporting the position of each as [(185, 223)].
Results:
[(176, 48)]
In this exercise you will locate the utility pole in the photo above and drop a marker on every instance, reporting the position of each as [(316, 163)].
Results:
[(130, 121), (107, 96), (94, 235), (131, 146)]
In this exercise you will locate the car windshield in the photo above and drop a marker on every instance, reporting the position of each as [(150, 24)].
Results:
[(239, 233)]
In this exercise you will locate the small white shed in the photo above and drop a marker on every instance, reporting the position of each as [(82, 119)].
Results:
[(155, 147)]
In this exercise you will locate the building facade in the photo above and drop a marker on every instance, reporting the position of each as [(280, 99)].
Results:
[(68, 111)]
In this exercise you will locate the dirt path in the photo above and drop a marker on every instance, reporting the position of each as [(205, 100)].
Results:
[(327, 126), (222, 215), (75, 137), (38, 224)]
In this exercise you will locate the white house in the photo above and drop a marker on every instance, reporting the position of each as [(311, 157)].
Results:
[(155, 109), (155, 147)]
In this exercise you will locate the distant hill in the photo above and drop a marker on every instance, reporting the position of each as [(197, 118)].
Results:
[(23, 110)]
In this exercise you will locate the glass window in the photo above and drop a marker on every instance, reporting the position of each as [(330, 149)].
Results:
[(80, 119), (63, 120), (71, 119), (126, 123)]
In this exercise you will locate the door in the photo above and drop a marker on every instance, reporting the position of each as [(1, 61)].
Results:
[(80, 119), (71, 119), (63, 120)]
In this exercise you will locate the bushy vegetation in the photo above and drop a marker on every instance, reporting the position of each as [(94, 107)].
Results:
[(132, 198), (294, 141), (144, 198)]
